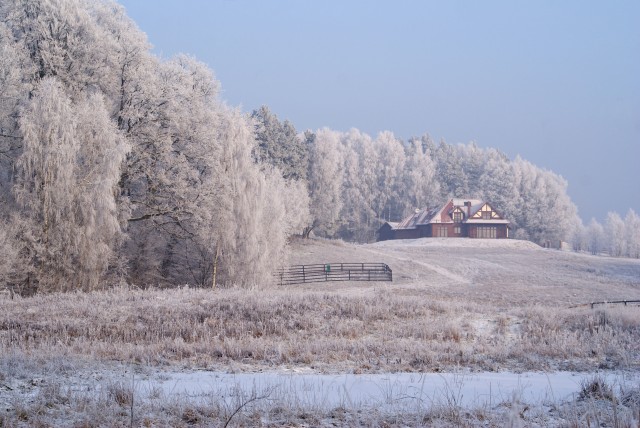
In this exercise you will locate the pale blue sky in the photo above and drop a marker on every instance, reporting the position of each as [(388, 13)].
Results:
[(557, 82)]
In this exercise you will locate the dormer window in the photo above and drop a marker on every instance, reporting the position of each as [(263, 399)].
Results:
[(486, 215), (457, 216)]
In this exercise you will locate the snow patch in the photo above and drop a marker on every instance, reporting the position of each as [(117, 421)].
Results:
[(459, 242)]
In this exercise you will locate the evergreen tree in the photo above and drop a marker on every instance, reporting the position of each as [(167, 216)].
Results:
[(279, 145)]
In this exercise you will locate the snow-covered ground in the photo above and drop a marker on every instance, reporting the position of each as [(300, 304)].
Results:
[(503, 308), (104, 394), (390, 390), (498, 272)]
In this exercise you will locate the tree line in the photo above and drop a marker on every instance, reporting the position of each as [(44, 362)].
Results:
[(119, 167)]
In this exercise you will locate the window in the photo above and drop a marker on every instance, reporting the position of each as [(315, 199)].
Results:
[(486, 232), (442, 232), (486, 215), (457, 216), (456, 230)]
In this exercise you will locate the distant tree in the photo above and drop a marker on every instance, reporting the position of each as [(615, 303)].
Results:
[(596, 240), (389, 170), (632, 233), (279, 145), (614, 229), (543, 194), (420, 185), (428, 145), (450, 171), (354, 204), (325, 182), (366, 184), (474, 165), (498, 185)]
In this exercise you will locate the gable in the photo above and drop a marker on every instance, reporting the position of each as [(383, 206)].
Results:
[(457, 214), (486, 212)]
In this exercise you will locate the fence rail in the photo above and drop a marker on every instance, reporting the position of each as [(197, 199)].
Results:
[(610, 302), (302, 274)]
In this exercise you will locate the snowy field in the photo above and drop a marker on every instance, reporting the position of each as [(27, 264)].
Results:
[(79, 394), (496, 272), (470, 332)]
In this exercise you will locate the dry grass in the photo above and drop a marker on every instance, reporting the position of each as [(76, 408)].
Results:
[(328, 331), (448, 308)]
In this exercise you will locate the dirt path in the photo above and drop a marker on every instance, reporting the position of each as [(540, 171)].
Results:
[(430, 266)]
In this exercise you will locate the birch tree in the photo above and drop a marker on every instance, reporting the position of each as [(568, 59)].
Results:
[(632, 233), (614, 229), (68, 173), (498, 185), (451, 174), (251, 237), (595, 237), (15, 66), (421, 187), (325, 181), (368, 185), (389, 170)]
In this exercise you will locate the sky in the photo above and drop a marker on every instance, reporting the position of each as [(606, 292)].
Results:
[(556, 82)]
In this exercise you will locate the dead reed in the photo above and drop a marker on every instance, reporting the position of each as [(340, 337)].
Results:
[(329, 331)]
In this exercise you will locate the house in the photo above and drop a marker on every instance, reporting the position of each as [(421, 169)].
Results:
[(458, 218)]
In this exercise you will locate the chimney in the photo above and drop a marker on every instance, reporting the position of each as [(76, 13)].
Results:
[(467, 205)]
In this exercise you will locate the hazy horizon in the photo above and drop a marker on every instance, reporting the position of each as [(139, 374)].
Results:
[(555, 83)]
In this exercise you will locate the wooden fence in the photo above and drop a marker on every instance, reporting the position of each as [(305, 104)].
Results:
[(612, 302), (302, 274)]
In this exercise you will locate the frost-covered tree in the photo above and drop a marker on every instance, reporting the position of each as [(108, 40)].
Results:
[(325, 181), (279, 145), (578, 236), (499, 186), (252, 242), (360, 189), (450, 171), (67, 176), (547, 214), (60, 38), (46, 178), (632, 233), (8, 254), (614, 229), (421, 188), (596, 240), (101, 153), (389, 170), (474, 164), (366, 184), (15, 66)]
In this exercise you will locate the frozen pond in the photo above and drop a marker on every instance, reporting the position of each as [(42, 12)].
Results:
[(383, 391)]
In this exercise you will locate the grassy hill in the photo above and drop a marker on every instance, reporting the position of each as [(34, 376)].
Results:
[(503, 273)]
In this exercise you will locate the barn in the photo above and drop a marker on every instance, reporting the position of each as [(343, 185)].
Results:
[(458, 218)]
